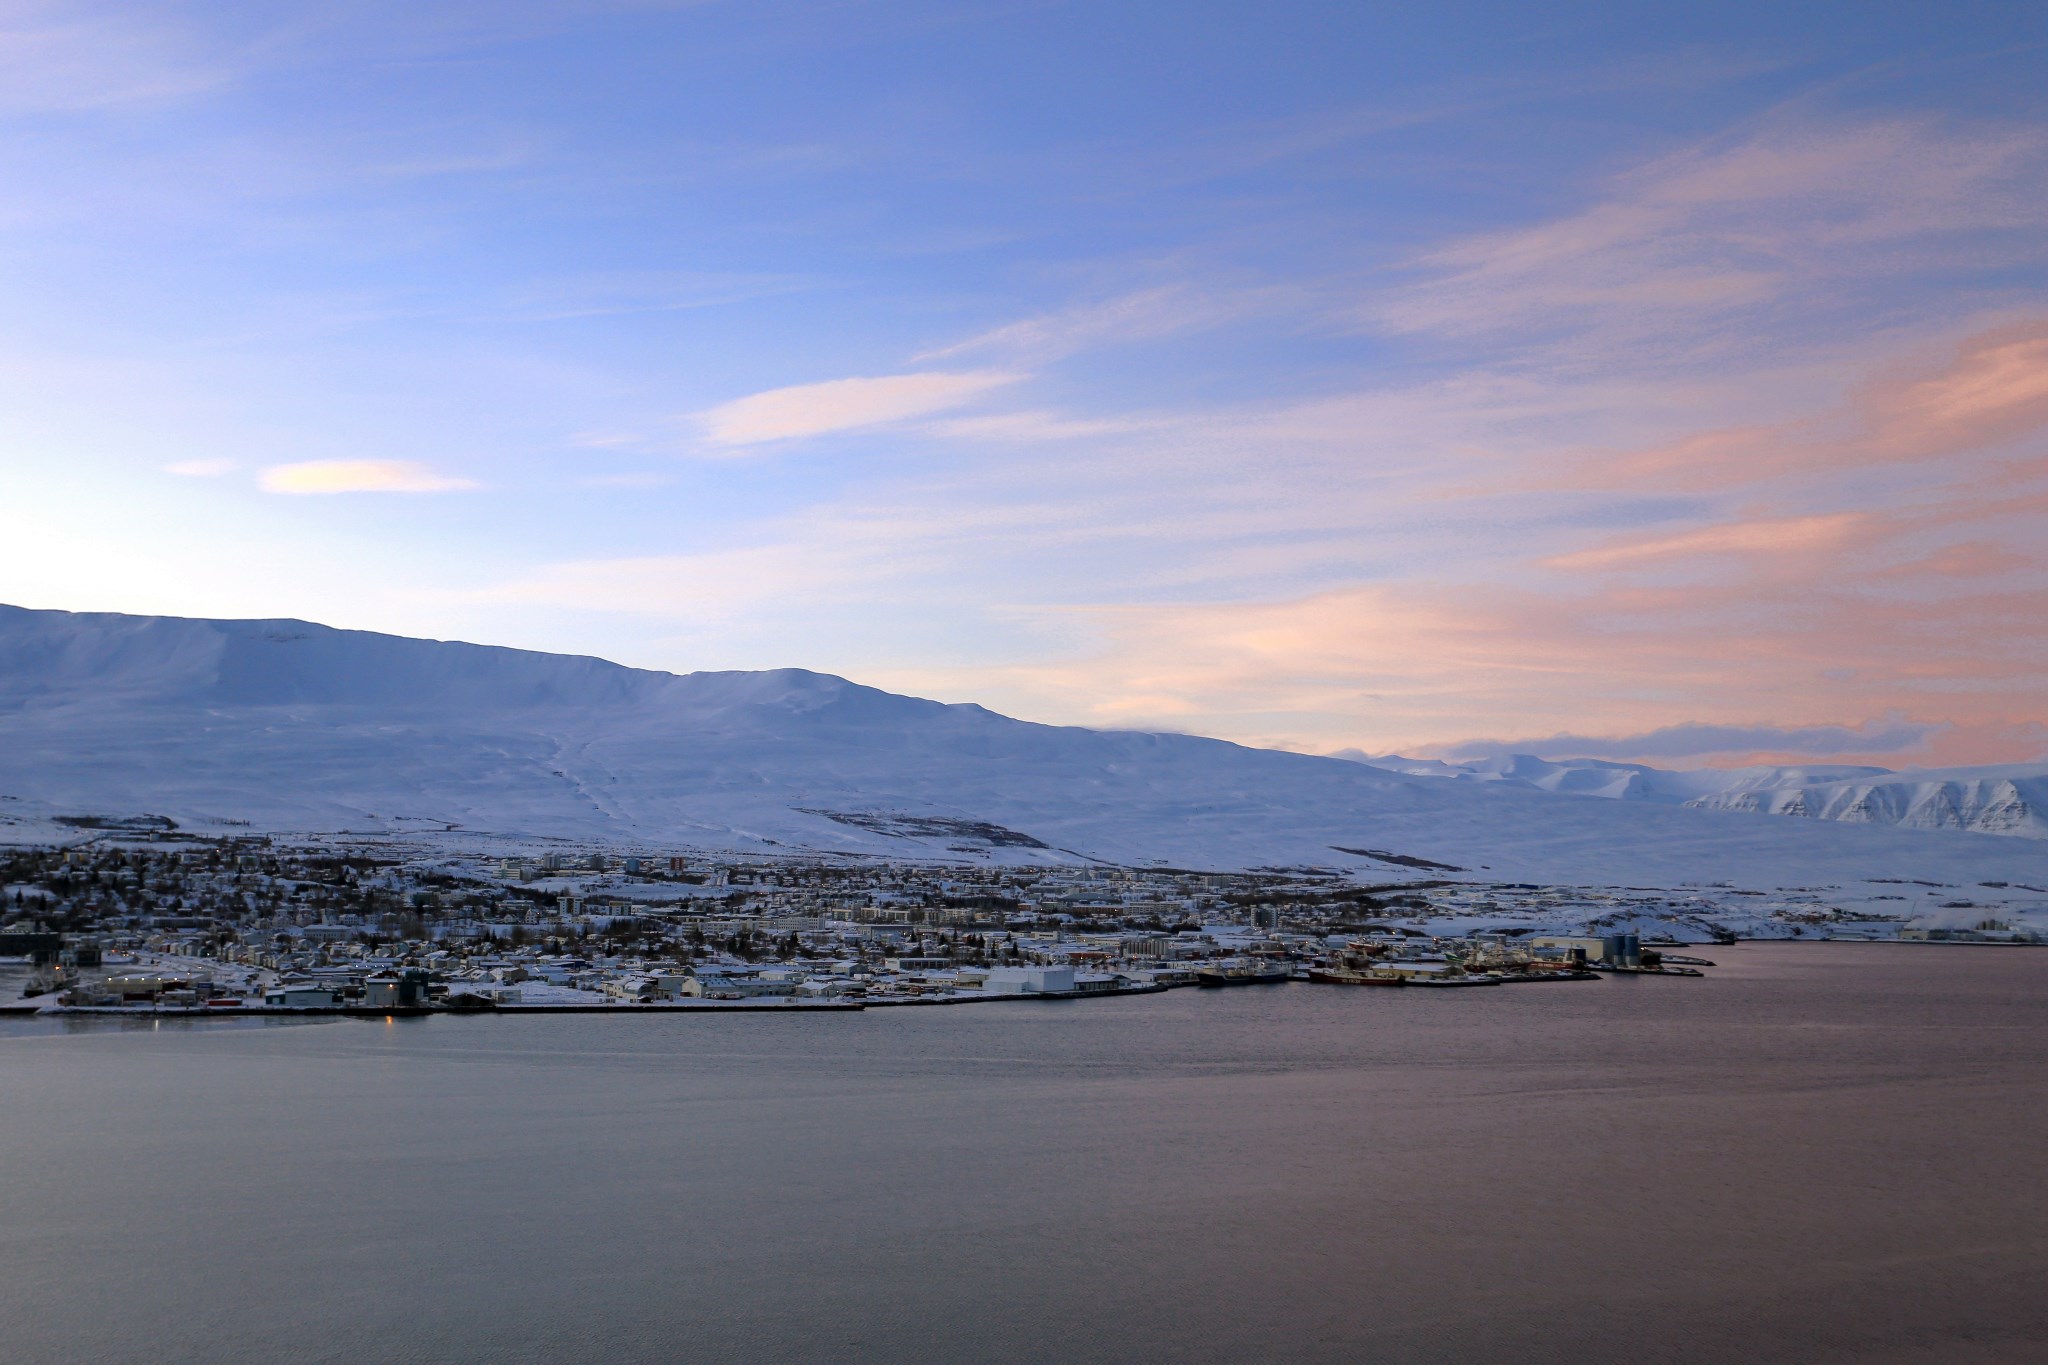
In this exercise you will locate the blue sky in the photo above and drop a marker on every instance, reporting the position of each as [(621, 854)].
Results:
[(1320, 375)]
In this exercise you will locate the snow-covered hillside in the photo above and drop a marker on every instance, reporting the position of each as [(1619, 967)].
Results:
[(294, 727), (2010, 799)]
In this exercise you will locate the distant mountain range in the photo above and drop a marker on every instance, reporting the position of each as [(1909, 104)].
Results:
[(288, 726), (2009, 799)]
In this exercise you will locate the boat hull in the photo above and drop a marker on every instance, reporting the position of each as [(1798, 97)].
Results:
[(1344, 978), (1248, 979)]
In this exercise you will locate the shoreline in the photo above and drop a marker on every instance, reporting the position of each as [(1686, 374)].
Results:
[(782, 1005)]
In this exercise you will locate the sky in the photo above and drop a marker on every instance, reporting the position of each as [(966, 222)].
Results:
[(1643, 381)]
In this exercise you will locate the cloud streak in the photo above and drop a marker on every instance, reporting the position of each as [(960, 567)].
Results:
[(1753, 540), (1679, 245), (57, 59), (1138, 316), (1980, 394), (804, 410), (201, 469), (358, 476)]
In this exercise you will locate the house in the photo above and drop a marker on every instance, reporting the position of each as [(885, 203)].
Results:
[(668, 984), (638, 988)]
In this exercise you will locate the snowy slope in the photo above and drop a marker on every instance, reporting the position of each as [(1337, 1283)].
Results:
[(296, 727), (2010, 799)]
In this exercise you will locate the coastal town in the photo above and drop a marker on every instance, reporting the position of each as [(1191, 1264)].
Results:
[(149, 920)]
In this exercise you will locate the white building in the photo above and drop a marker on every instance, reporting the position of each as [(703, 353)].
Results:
[(1030, 980)]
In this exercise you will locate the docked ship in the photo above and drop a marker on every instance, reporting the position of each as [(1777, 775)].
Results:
[(1398, 976), (1370, 967), (1355, 976), (1452, 979), (1244, 974)]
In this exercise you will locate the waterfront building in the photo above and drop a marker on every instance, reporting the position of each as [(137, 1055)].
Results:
[(301, 995), (709, 984), (396, 989), (1029, 980), (1616, 950)]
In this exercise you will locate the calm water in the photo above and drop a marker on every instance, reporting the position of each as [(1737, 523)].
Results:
[(1820, 1153)]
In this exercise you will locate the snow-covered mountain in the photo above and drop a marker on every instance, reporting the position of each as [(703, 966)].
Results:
[(286, 726), (2009, 799), (1617, 781)]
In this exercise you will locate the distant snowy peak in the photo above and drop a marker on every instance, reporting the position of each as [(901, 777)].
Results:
[(1617, 781), (2010, 800)]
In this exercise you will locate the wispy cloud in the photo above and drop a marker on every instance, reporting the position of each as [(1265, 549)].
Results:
[(845, 405), (1975, 395), (358, 476), (1408, 666), (1033, 426), (1789, 210), (69, 58), (599, 294), (841, 555), (1762, 536), (1994, 391), (1141, 315), (645, 478), (202, 469)]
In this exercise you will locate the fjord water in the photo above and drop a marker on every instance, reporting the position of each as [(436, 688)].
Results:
[(1821, 1152)]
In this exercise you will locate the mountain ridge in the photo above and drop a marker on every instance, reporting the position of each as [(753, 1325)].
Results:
[(293, 726)]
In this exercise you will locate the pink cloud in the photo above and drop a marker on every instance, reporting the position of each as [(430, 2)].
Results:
[(844, 405), (1719, 228), (1399, 666), (1991, 391), (1763, 537)]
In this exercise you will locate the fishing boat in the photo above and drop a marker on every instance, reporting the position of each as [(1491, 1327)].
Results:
[(1371, 967), (1355, 976), (1244, 974)]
